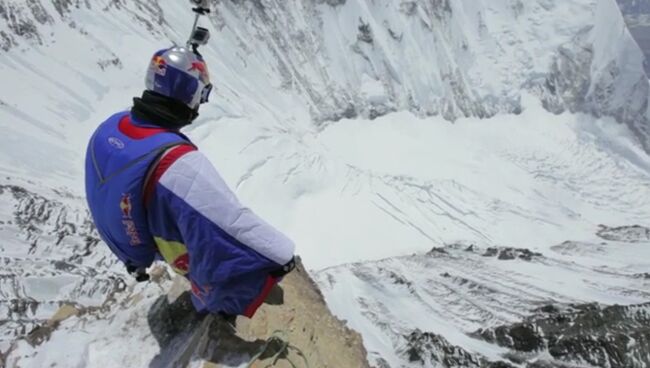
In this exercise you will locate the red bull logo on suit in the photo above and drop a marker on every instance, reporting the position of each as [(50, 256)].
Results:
[(125, 206), (127, 220)]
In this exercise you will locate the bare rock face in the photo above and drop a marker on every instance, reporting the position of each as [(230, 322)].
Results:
[(614, 336), (547, 327), (309, 324), (631, 234), (303, 319), (584, 334), (429, 348), (508, 253)]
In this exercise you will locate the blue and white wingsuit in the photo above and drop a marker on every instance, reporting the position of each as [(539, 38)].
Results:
[(153, 195)]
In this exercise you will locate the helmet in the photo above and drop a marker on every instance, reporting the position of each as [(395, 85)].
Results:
[(180, 74)]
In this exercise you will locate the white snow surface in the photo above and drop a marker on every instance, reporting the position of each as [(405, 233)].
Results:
[(362, 190), (289, 130)]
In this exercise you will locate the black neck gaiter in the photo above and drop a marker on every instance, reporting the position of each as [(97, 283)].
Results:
[(162, 111)]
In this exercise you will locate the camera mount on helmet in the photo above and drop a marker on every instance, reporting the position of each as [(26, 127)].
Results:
[(199, 36), (202, 6)]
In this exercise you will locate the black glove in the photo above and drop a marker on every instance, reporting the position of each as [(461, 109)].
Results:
[(140, 273), (284, 270)]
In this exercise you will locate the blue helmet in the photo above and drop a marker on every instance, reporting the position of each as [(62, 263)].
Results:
[(180, 74)]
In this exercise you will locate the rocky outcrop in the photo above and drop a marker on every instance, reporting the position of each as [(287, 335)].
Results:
[(60, 260), (430, 308), (508, 253), (426, 348), (310, 326), (613, 336), (630, 234), (301, 317)]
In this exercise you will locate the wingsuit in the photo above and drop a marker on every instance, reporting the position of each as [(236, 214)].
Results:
[(153, 195)]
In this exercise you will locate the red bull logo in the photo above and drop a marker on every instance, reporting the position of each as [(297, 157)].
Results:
[(182, 263), (125, 206), (159, 63), (132, 232), (130, 229), (202, 68), (200, 292)]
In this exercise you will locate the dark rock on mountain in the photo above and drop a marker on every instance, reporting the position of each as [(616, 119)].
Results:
[(507, 254), (614, 336), (427, 348), (631, 234)]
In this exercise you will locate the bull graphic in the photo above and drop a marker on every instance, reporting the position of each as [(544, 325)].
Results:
[(125, 206)]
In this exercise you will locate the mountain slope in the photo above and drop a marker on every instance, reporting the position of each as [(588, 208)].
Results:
[(413, 310), (260, 133), (66, 301), (288, 62), (637, 17), (365, 130), (634, 7)]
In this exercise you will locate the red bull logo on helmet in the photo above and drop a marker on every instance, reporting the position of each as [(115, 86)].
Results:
[(160, 65), (202, 68)]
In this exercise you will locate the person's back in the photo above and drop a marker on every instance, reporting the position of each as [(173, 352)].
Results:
[(152, 195)]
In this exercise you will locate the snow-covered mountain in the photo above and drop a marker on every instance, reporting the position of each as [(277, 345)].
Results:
[(637, 17), (431, 309), (634, 7), (366, 130), (330, 60)]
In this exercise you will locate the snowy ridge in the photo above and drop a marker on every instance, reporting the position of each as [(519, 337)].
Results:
[(459, 289), (50, 256)]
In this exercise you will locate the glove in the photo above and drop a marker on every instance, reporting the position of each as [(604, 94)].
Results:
[(284, 270), (140, 273)]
